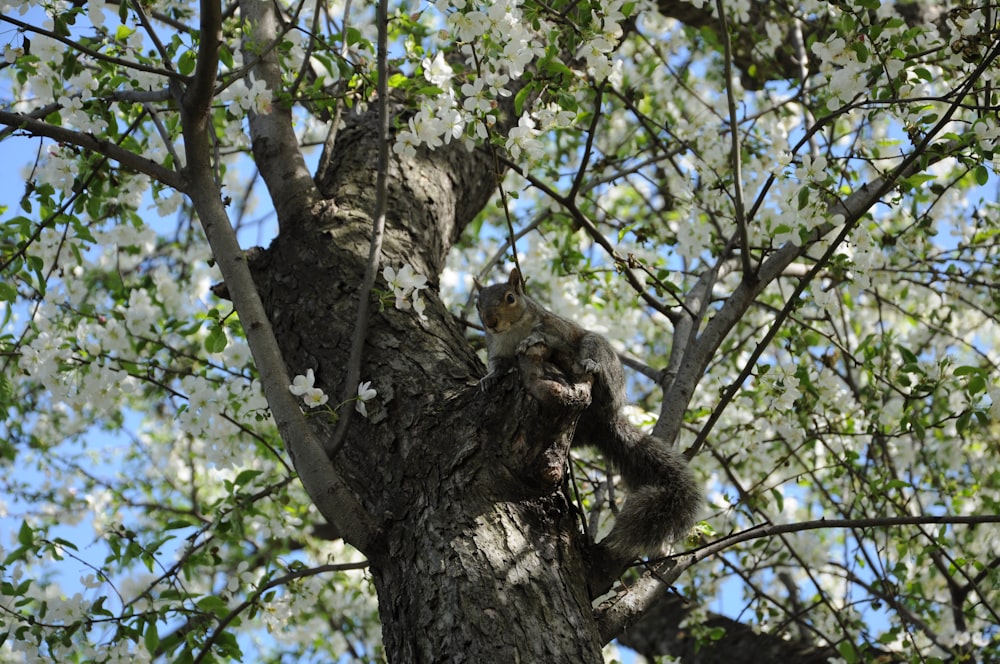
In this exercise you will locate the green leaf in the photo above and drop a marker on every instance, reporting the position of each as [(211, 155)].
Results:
[(151, 638), (216, 340), (225, 56), (982, 175), (917, 179), (25, 536), (861, 50), (354, 38), (176, 524), (59, 24), (8, 293), (227, 645), (6, 390), (245, 477), (779, 500), (556, 68), (848, 652), (716, 633), (185, 65), (962, 423), (908, 356), (429, 91), (97, 608), (213, 604), (521, 96), (397, 80), (66, 544), (803, 197)]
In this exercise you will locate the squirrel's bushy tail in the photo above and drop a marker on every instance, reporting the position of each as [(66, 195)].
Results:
[(663, 500)]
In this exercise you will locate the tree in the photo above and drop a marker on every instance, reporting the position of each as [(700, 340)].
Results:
[(779, 212)]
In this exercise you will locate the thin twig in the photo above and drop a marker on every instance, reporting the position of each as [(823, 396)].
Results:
[(144, 20), (331, 136), (323, 483), (735, 156), (206, 647), (588, 148), (802, 60), (161, 129), (310, 46), (378, 230)]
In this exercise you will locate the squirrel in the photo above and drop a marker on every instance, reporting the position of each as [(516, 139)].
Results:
[(664, 499)]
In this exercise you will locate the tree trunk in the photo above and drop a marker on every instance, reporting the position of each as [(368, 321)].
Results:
[(477, 555), (481, 562)]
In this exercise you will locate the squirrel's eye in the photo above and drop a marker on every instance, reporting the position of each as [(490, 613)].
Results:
[(510, 298)]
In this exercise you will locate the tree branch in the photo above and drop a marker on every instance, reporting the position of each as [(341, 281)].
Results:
[(155, 38), (206, 647), (93, 144), (200, 92), (324, 486), (97, 55), (618, 613), (275, 145)]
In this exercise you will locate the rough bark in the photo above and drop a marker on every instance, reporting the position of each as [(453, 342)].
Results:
[(482, 563)]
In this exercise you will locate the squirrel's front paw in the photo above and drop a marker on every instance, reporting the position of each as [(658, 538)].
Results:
[(489, 381), (529, 341), (590, 366)]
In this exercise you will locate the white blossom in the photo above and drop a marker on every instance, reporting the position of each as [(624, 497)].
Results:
[(406, 285), (304, 386), (365, 393), (437, 70), (523, 137)]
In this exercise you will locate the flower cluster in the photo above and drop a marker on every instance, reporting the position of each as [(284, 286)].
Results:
[(598, 49), (406, 285), (304, 386), (845, 72), (498, 44), (252, 95), (439, 119)]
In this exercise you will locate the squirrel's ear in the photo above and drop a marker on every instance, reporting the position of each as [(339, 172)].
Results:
[(476, 283), (515, 278)]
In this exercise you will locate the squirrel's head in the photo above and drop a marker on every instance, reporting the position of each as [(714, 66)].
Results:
[(501, 305)]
